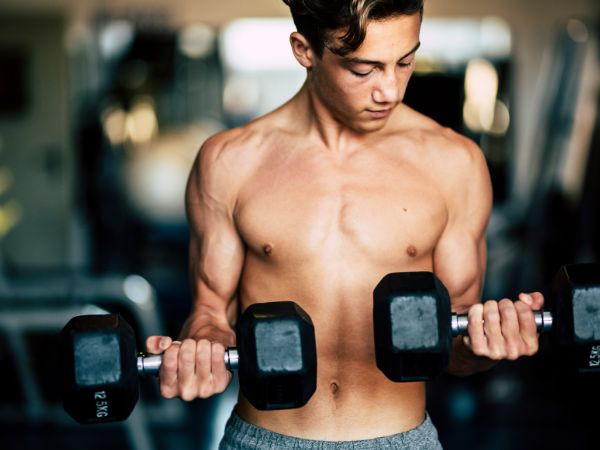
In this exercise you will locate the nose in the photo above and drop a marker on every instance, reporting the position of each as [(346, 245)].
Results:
[(387, 89)]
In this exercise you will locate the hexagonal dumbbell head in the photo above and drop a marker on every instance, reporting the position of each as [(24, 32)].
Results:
[(99, 373), (278, 362), (575, 306), (411, 320)]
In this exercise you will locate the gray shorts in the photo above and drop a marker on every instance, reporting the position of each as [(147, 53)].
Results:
[(240, 434)]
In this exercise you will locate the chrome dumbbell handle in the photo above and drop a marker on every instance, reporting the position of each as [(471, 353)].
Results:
[(460, 322), (150, 364)]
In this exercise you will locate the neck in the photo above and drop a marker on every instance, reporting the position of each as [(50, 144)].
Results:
[(320, 122)]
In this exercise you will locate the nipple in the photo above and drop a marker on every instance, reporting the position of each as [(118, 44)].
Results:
[(267, 249), (411, 251)]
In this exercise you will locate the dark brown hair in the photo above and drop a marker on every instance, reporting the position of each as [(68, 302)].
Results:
[(317, 20)]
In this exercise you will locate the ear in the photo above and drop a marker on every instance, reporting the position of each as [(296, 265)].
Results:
[(301, 50)]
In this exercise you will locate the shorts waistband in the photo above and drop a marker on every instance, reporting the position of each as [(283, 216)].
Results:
[(240, 434)]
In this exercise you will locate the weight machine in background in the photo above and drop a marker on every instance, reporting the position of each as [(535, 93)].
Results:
[(555, 223), (534, 402)]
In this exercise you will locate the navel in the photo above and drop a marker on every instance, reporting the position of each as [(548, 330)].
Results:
[(411, 251), (267, 249), (334, 388)]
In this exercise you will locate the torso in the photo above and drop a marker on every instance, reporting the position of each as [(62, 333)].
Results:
[(322, 229)]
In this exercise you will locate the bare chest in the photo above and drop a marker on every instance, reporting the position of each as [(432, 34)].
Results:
[(380, 211)]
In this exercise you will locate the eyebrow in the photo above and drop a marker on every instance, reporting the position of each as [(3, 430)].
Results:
[(354, 60)]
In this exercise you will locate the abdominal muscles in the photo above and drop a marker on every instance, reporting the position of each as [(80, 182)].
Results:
[(331, 274)]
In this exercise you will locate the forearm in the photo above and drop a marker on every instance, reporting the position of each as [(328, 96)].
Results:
[(463, 362)]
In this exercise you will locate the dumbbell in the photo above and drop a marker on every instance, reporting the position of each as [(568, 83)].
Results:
[(275, 358), (414, 326)]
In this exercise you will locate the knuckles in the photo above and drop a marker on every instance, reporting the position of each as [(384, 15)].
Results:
[(506, 306), (513, 353), (167, 391), (475, 310), (187, 395), (497, 354), (532, 348), (522, 307), (205, 391), (491, 311), (178, 381), (478, 348)]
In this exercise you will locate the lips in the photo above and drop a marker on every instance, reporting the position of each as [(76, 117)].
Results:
[(379, 113)]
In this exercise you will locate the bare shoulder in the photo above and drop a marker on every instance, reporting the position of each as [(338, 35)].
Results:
[(232, 148), (223, 161), (460, 153), (452, 156)]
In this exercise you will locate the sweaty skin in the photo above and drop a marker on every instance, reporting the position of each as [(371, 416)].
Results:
[(315, 203)]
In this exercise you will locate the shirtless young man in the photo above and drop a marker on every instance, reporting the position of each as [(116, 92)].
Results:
[(315, 203)]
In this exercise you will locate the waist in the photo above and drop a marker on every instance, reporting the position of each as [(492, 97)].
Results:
[(239, 431), (352, 402)]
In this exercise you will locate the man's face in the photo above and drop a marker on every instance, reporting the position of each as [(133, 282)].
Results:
[(362, 88)]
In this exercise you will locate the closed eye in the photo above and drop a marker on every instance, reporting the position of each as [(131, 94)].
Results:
[(361, 74)]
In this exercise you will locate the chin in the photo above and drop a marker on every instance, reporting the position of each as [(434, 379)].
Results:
[(360, 124), (369, 126)]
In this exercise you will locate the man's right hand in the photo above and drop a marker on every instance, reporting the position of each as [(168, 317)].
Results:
[(190, 368)]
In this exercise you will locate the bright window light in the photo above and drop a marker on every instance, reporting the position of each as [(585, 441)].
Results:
[(258, 45)]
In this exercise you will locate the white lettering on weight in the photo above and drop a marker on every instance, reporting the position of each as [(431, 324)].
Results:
[(101, 404), (594, 359)]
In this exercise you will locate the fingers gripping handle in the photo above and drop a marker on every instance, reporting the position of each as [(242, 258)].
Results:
[(150, 365), (460, 322)]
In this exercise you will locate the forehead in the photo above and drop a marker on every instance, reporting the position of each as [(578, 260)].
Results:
[(395, 35)]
